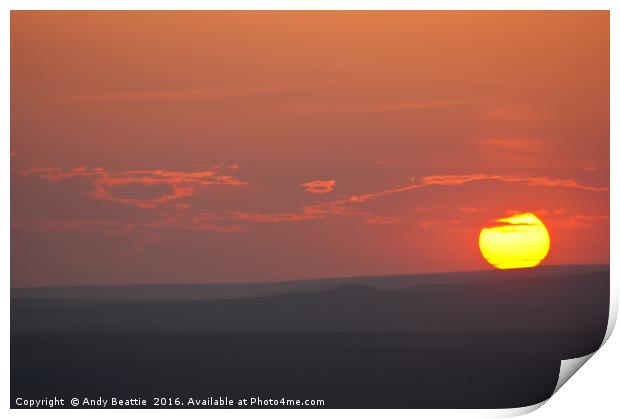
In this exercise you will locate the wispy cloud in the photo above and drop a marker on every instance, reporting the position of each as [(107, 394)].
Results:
[(379, 219), (183, 183), (346, 206), (239, 216), (105, 184), (372, 106), (458, 180), (319, 186), (580, 220), (208, 94)]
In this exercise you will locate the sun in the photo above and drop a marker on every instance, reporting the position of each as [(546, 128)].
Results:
[(520, 241)]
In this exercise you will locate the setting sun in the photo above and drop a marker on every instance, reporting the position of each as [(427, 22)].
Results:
[(520, 241)]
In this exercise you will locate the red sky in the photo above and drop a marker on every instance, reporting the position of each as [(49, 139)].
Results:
[(176, 147)]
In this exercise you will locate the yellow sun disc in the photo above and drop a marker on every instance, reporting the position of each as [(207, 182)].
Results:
[(520, 241)]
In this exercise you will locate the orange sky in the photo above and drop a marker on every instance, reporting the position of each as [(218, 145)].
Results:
[(169, 147)]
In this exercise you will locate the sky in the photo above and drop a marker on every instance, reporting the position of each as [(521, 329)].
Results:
[(188, 147)]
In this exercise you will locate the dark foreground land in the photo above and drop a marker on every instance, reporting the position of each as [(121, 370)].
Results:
[(470, 340)]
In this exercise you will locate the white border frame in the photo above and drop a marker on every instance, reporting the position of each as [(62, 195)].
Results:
[(596, 385)]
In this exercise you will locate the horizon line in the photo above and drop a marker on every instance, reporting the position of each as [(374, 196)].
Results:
[(305, 279)]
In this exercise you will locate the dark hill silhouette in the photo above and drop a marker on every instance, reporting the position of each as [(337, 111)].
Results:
[(218, 291), (495, 340)]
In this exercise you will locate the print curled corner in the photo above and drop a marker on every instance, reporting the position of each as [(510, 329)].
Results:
[(568, 368), (519, 411)]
